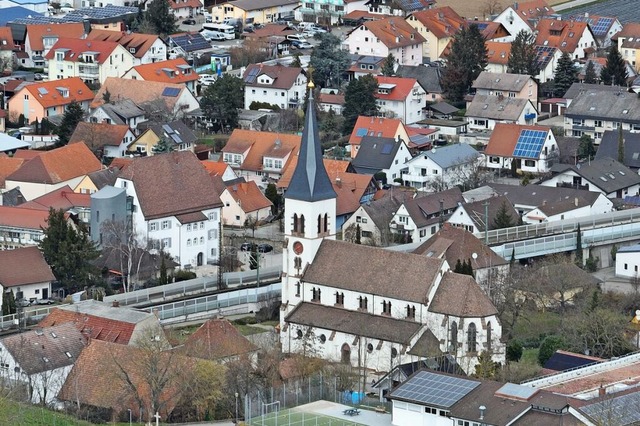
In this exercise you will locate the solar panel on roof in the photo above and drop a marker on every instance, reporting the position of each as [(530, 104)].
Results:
[(171, 92), (529, 143), (252, 74), (362, 131), (42, 90), (602, 26), (167, 128), (387, 148), (621, 410), (434, 389)]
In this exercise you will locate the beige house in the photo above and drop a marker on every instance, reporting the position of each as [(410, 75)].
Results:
[(244, 202), (437, 26), (508, 85)]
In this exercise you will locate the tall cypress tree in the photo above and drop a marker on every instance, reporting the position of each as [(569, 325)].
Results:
[(590, 76), (388, 66), (466, 60), (565, 75), (615, 70), (579, 258)]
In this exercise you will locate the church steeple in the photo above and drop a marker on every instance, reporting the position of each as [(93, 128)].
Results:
[(310, 181)]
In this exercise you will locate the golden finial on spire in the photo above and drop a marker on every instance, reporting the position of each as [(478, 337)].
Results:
[(310, 84)]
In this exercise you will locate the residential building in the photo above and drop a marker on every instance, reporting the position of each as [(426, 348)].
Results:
[(53, 169), (494, 31), (41, 358), (259, 156), (145, 48), (607, 176), (323, 13), (485, 111), (186, 44), (76, 206), (400, 97), (186, 8), (171, 101), (548, 58), (441, 168), (106, 322), (428, 77), (479, 216), (376, 126), (251, 11), (628, 261), (93, 61), (49, 98), (418, 218), (175, 132), (595, 109), (243, 203), (386, 156), (40, 38), (523, 16), (604, 28), (106, 140), (628, 45), (95, 181), (533, 148), (512, 85), (331, 102), (362, 65), (459, 245), (437, 26), (20, 227), (414, 319), (25, 272), (274, 84), (497, 56), (123, 111), (179, 212), (174, 71), (608, 147), (394, 8), (385, 36), (218, 340), (7, 46), (572, 37), (222, 170), (8, 165)]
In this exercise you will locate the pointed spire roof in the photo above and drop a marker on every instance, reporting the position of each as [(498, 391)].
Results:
[(310, 181)]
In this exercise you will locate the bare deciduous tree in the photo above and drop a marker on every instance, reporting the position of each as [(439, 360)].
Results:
[(123, 240)]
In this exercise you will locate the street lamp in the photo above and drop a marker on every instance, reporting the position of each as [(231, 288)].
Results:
[(236, 407), (129, 410)]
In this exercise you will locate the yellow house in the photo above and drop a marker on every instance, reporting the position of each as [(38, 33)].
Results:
[(95, 181), (438, 27), (144, 143), (629, 45), (250, 11)]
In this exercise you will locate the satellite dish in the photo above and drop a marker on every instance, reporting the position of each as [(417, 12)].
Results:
[(475, 256)]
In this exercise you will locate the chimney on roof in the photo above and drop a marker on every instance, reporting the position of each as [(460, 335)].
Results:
[(115, 304), (602, 391), (544, 202), (338, 182), (515, 6), (575, 201), (586, 14)]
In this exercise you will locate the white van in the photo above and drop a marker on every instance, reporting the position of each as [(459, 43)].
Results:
[(297, 37), (303, 26)]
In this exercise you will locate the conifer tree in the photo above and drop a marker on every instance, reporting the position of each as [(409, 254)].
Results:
[(466, 60), (503, 218), (388, 66), (590, 76), (615, 70), (565, 75), (523, 57)]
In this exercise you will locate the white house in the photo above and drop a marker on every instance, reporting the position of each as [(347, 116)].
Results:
[(479, 216), (533, 148), (243, 201), (382, 155), (402, 98), (124, 111), (145, 48), (574, 38), (177, 211), (384, 36), (186, 8), (109, 140), (521, 16), (485, 111), (628, 261), (93, 61), (40, 38), (251, 11), (441, 168), (358, 318), (274, 84), (41, 359), (25, 272)]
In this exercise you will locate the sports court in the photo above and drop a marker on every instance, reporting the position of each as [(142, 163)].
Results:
[(321, 413)]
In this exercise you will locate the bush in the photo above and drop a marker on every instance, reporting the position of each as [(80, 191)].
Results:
[(548, 347), (250, 320), (255, 105), (182, 275), (514, 351), (591, 264)]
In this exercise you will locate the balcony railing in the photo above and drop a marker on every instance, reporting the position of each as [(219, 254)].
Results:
[(88, 71)]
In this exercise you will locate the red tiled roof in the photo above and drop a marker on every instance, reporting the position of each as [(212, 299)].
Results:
[(36, 33), (333, 168), (108, 330), (58, 165), (74, 47), (46, 93), (505, 136), (6, 39), (534, 9), (138, 91), (402, 89), (374, 126), (358, 14), (261, 144), (62, 198), (8, 165), (17, 217), (141, 43), (283, 77), (215, 168), (217, 339), (327, 98), (26, 154), (99, 135), (180, 4), (497, 52), (24, 266), (248, 196), (269, 30), (170, 71), (394, 32), (442, 21), (563, 35)]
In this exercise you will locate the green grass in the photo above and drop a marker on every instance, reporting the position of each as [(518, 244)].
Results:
[(293, 418), (530, 356), (15, 413), (247, 330), (533, 327)]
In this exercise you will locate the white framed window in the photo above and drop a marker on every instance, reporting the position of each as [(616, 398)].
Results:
[(153, 226), (166, 224), (188, 227), (189, 242), (213, 216), (166, 243), (201, 225)]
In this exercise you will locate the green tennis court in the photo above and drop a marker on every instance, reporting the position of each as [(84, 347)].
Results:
[(293, 418)]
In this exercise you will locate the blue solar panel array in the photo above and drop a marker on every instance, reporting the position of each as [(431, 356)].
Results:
[(387, 148), (411, 5), (602, 26), (191, 42), (529, 143), (434, 389), (171, 92), (252, 74), (544, 55)]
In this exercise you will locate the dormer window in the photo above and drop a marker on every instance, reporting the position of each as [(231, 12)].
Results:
[(132, 50), (340, 299)]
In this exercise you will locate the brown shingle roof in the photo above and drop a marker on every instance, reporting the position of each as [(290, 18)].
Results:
[(394, 32), (171, 184), (217, 339), (98, 135), (261, 144), (24, 266), (505, 136), (8, 165), (58, 165), (441, 21), (46, 349), (340, 264), (140, 42), (461, 296), (46, 93), (353, 322), (248, 196), (170, 71), (139, 91), (476, 211), (423, 208), (284, 77), (36, 33)]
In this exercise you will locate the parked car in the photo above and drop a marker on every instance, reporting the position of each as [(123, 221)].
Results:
[(207, 79), (24, 302), (45, 302), (248, 246), (212, 35), (189, 21), (301, 44), (37, 77), (265, 248)]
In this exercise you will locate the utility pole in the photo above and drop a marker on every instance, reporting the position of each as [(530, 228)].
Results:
[(486, 223)]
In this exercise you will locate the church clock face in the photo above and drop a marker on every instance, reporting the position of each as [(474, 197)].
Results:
[(298, 248)]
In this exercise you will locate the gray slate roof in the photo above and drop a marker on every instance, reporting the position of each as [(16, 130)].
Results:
[(452, 155), (501, 81), (175, 131), (428, 77), (577, 88), (604, 104), (381, 211), (46, 349), (310, 181), (424, 209), (629, 249), (105, 310), (609, 147), (476, 211), (105, 177), (599, 174), (371, 159), (486, 106), (122, 110), (443, 108)]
